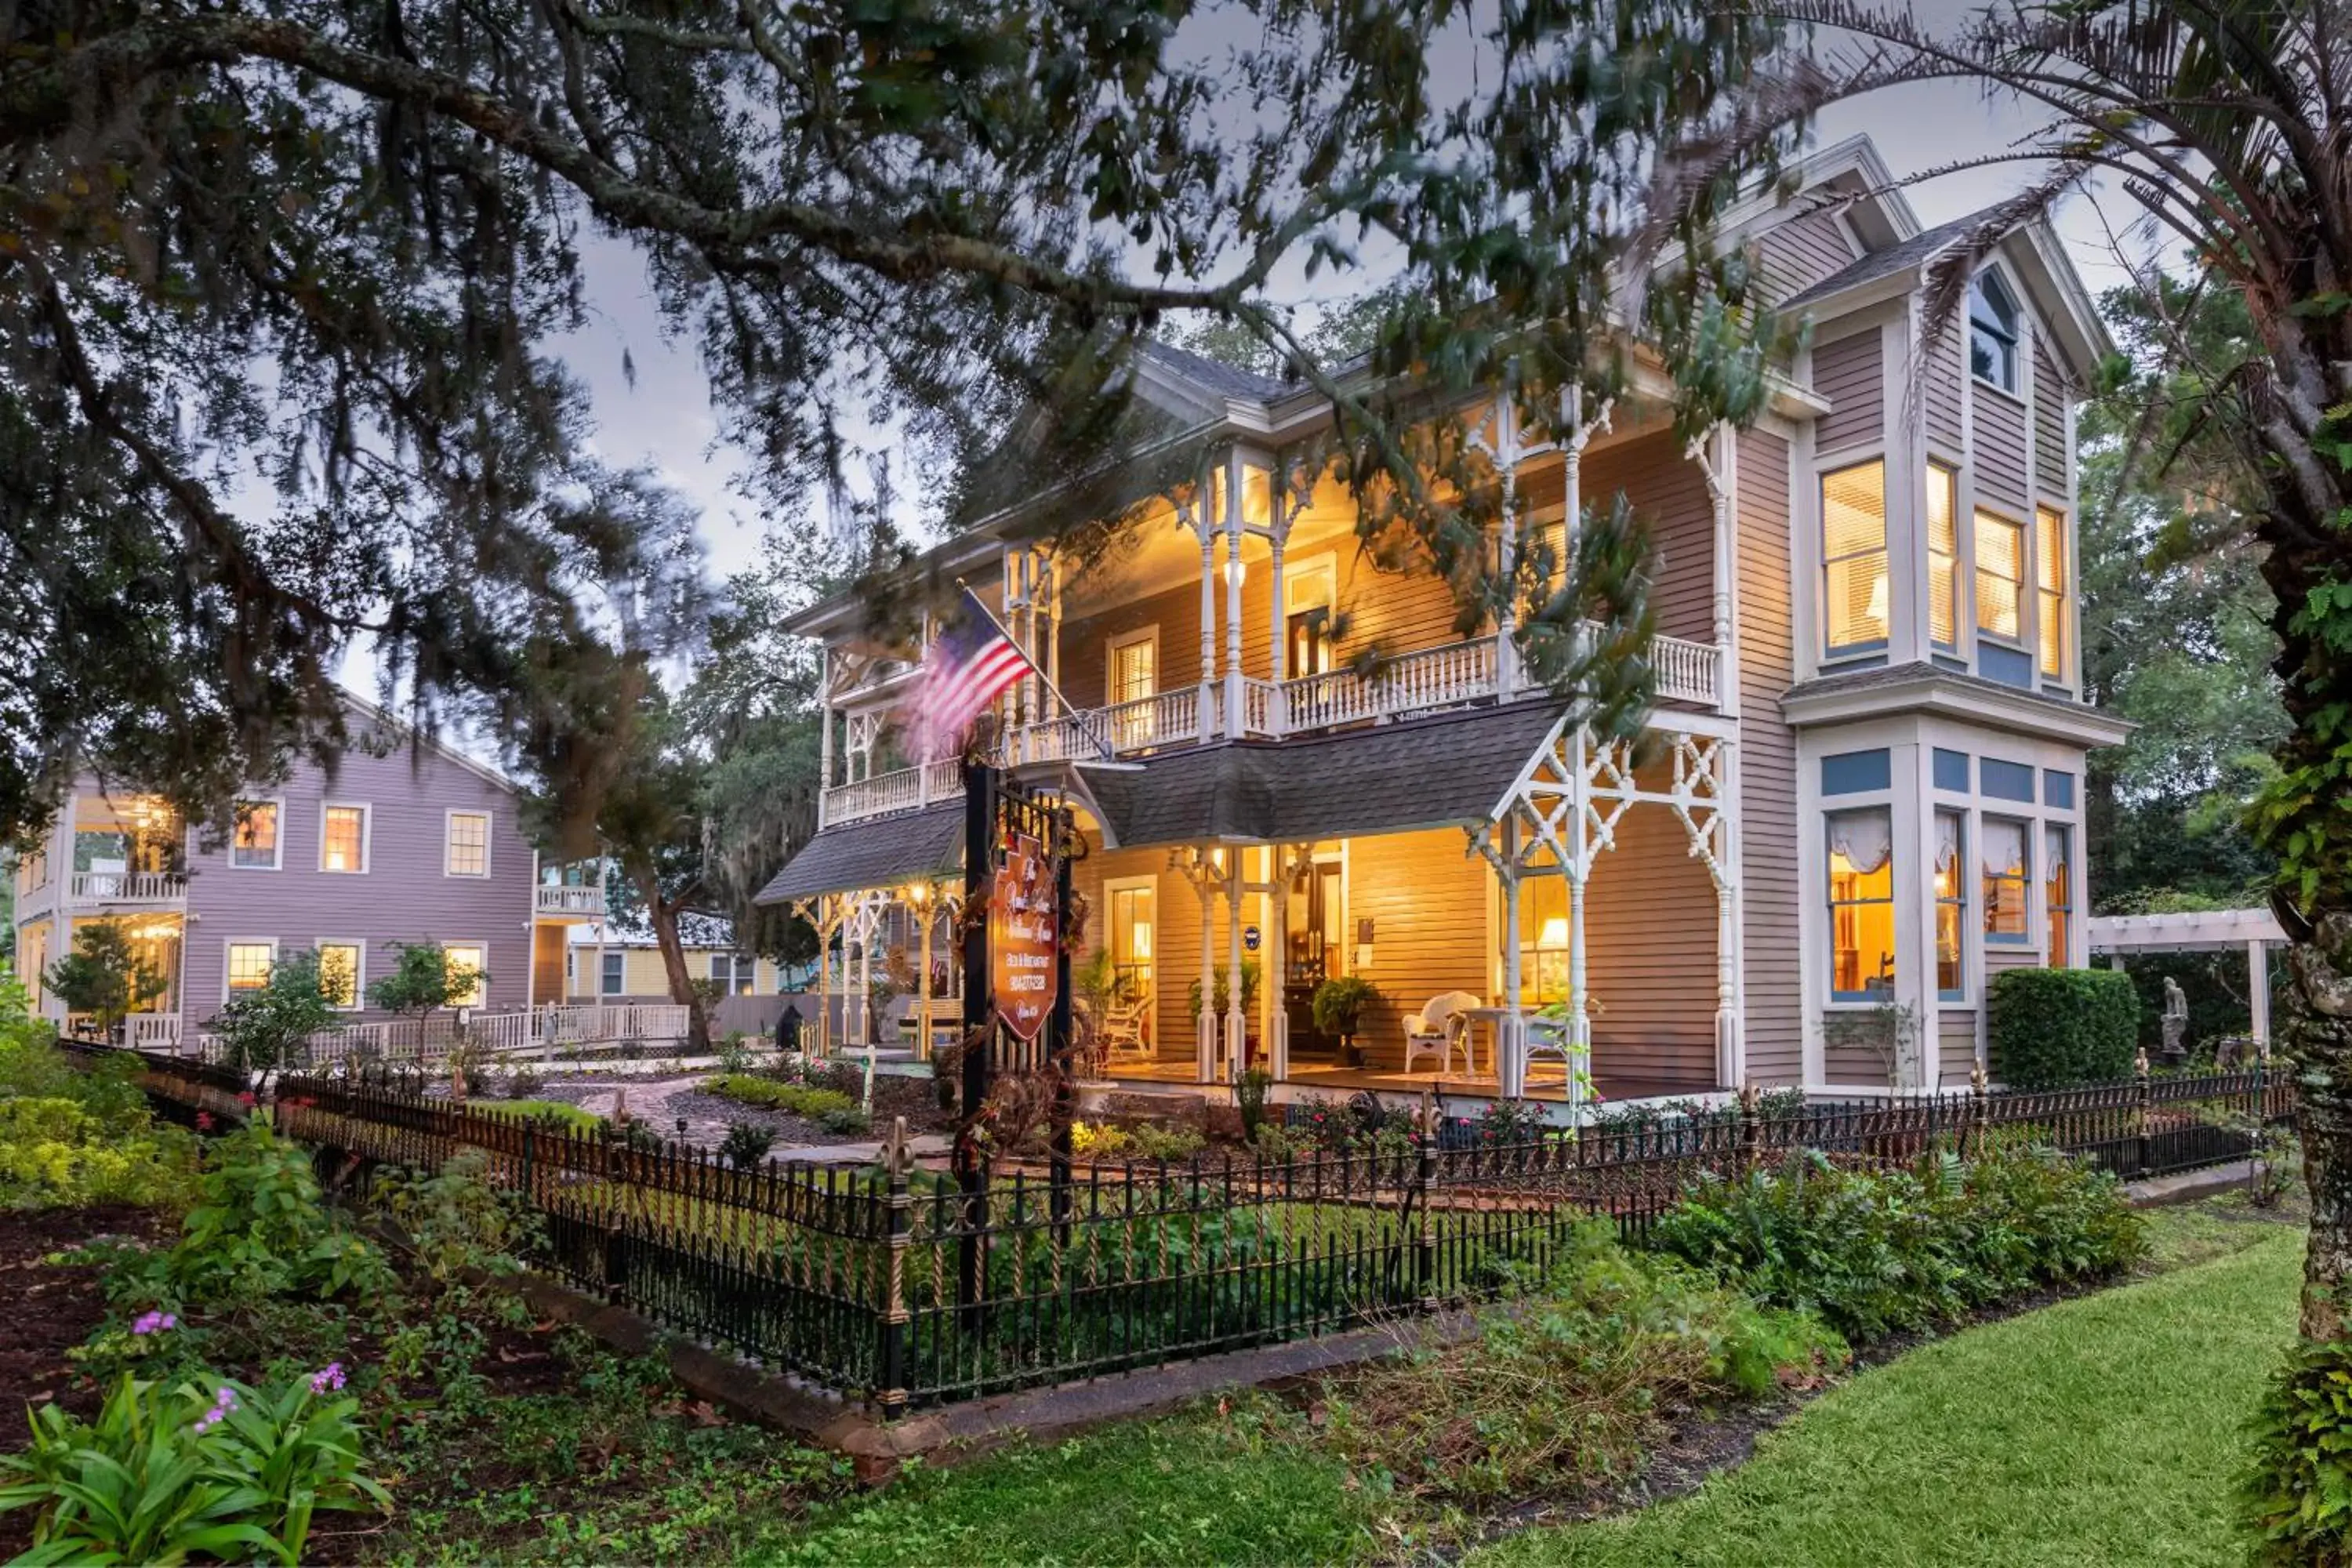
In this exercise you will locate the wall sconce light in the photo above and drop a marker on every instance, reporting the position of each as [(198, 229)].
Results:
[(1363, 943)]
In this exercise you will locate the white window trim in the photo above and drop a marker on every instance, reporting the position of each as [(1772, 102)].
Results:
[(276, 848), (2029, 822), (229, 948), (2026, 587), (1824, 806), (367, 834), (1113, 885), (1968, 872), (1111, 646), (490, 833), (482, 998), (1860, 456), (606, 957), (359, 968), (1323, 564), (2020, 347)]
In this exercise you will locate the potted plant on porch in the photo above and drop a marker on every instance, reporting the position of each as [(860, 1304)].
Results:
[(1339, 1006), (1223, 999)]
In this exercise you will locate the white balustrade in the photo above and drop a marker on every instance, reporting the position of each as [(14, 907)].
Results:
[(1688, 671), (1432, 677), (570, 900), (151, 1031), (1167, 718), (129, 887)]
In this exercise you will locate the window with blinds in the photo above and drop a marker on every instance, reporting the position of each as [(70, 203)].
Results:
[(2001, 577), (2050, 576), (1853, 558)]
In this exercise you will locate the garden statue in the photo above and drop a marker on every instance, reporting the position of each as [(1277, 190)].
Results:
[(2175, 1023)]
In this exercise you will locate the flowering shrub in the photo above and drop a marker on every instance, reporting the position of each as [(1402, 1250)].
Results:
[(211, 1468), (56, 1152)]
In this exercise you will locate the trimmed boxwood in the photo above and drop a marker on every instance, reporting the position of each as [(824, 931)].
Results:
[(2052, 1029)]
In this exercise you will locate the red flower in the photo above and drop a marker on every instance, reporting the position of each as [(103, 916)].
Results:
[(204, 1121), (245, 1100)]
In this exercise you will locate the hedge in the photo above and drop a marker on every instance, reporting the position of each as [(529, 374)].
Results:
[(2052, 1029)]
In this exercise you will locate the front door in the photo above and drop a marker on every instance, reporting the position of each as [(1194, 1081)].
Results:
[(1313, 925)]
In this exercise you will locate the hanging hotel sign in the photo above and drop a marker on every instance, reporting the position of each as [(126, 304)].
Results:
[(1025, 935)]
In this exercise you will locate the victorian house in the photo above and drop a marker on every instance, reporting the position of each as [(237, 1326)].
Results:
[(1857, 800)]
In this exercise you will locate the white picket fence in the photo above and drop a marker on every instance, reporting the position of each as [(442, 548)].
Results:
[(525, 1032)]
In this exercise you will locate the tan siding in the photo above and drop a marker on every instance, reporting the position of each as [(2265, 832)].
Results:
[(1176, 938), (2053, 462), (547, 963), (1956, 1043), (1800, 252), (1650, 954), (1767, 767), (1851, 373), (1940, 391), (1390, 612), (1852, 1064), (1669, 495), (1427, 899), (1175, 611), (2000, 452)]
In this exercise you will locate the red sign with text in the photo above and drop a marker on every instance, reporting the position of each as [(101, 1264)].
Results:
[(1024, 936)]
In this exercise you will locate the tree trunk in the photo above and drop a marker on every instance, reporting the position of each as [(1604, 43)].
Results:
[(2318, 1041), (662, 915)]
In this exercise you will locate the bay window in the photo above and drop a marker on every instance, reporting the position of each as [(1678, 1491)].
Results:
[(2001, 577), (1951, 905), (1853, 558), (1862, 905), (2006, 874), (1943, 556)]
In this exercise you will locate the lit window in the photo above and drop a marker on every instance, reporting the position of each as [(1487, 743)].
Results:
[(1943, 556), (466, 977), (612, 972), (253, 847), (2006, 873), (1992, 333), (1862, 905), (249, 963), (339, 974), (469, 844), (1133, 669), (1853, 557), (343, 839), (2050, 572), (1951, 904), (1543, 940), (2059, 893), (2000, 576)]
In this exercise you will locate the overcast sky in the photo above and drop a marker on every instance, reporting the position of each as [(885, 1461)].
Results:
[(664, 417)]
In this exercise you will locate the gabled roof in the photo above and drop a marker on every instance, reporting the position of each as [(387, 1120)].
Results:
[(881, 852), (1909, 255), (1214, 375)]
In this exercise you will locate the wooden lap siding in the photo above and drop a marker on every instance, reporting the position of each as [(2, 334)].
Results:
[(1999, 451), (1085, 642), (1650, 924), (1956, 1047), (1941, 395), (1669, 496), (2053, 460), (1775, 1028), (1802, 251), (1427, 899), (1850, 372)]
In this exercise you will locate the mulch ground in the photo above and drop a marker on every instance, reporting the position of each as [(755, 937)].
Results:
[(46, 1310)]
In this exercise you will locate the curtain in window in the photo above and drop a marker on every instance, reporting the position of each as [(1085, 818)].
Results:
[(1948, 843), (1864, 839), (2003, 849)]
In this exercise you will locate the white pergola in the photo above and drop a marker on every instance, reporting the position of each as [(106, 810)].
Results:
[(2197, 930)]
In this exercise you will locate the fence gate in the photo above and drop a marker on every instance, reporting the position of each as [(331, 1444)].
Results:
[(1016, 992)]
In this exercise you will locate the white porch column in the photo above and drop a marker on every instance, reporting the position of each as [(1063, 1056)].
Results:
[(1274, 969), (2258, 987), (1204, 1022), (924, 906), (1208, 624), (825, 744), (1236, 1020), (823, 973), (1277, 715), (1235, 713), (1510, 1040), (1507, 548), (1580, 1015)]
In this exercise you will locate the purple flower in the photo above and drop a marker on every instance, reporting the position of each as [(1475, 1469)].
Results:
[(154, 1323), (223, 1403), (327, 1377)]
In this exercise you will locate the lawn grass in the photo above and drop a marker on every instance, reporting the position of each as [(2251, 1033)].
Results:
[(2104, 1430), (1189, 1488)]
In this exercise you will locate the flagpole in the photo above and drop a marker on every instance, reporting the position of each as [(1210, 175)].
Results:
[(1043, 680)]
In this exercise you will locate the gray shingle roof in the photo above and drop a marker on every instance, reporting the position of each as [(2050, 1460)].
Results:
[(1216, 376), (1392, 778), (1908, 255), (875, 853)]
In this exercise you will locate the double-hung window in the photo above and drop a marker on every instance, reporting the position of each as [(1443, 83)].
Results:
[(253, 846), (734, 973), (611, 974), (1861, 904), (464, 965), (2050, 577), (2058, 890), (1854, 607), (2001, 577), (249, 963), (1943, 556), (469, 850), (1993, 323), (1951, 905), (343, 838), (2006, 873), (339, 974)]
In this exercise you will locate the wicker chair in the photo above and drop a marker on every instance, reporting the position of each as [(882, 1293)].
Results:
[(1438, 1028)]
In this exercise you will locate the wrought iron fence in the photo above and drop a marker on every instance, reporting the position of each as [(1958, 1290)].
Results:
[(892, 1285)]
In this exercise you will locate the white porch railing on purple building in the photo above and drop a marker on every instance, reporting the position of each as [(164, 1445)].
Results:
[(129, 887)]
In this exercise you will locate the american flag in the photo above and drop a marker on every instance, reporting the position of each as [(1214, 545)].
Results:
[(973, 659)]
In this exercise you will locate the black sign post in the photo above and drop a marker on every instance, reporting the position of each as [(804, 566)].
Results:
[(980, 786)]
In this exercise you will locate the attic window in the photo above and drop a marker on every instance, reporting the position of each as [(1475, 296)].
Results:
[(1992, 332)]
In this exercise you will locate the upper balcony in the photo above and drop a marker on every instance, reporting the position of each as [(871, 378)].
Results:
[(578, 902), (1429, 681), (114, 889)]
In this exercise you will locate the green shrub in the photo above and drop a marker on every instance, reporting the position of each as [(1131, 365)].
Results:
[(1569, 1385), (212, 1468), (1881, 1253), (56, 1153), (2051, 1028), (1173, 1145), (746, 1144), (2297, 1487), (457, 1222), (554, 1113), (262, 1229), (796, 1100)]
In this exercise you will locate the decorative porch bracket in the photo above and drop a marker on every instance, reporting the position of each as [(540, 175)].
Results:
[(1561, 812)]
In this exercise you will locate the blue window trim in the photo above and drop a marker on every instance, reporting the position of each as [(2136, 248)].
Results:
[(2000, 779), (2027, 824), (1951, 771)]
